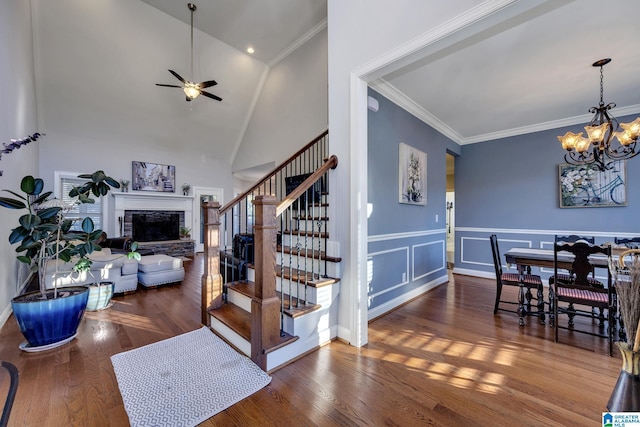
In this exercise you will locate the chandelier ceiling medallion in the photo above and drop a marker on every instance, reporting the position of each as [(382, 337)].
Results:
[(192, 90), (600, 135)]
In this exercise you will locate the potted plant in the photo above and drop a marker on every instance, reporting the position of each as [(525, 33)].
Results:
[(100, 292), (185, 189), (625, 396), (124, 185), (50, 317), (185, 232)]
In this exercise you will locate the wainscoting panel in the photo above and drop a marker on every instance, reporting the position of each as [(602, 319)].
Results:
[(428, 258), (402, 264)]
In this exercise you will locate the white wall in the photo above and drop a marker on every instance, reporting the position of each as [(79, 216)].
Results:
[(292, 108), (97, 64), (17, 119)]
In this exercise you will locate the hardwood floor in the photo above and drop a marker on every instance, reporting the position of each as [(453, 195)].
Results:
[(443, 359)]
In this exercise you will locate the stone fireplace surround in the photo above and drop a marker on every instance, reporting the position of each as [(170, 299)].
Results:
[(151, 201)]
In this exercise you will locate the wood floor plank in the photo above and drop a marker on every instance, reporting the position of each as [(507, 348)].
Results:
[(442, 359)]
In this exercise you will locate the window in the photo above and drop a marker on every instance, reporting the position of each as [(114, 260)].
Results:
[(65, 181)]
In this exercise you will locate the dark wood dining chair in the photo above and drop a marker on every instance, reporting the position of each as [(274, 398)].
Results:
[(12, 371), (525, 281), (573, 239), (568, 296)]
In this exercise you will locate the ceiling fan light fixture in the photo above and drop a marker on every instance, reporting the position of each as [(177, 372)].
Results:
[(191, 90)]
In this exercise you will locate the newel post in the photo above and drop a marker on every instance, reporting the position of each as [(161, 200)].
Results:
[(265, 308), (211, 295)]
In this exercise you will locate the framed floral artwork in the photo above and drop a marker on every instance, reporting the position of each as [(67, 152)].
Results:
[(413, 175), (586, 186)]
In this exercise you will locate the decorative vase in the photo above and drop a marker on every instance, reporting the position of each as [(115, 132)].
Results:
[(100, 296), (47, 322), (626, 393)]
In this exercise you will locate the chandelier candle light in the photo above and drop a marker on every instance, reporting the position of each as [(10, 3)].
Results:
[(600, 131)]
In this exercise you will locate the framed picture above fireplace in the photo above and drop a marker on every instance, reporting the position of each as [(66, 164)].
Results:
[(147, 176)]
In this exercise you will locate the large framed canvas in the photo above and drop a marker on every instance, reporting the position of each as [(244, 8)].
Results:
[(413, 175), (586, 186), (153, 177)]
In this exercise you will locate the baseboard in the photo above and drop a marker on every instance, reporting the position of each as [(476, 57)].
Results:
[(403, 299)]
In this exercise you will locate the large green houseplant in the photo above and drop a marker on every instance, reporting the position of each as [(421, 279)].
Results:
[(44, 235)]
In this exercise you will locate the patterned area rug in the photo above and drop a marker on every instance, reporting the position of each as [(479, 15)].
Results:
[(183, 381)]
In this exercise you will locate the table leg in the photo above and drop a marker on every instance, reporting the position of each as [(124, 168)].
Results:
[(541, 305), (521, 311)]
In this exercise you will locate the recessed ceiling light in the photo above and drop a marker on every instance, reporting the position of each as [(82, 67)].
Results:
[(250, 50)]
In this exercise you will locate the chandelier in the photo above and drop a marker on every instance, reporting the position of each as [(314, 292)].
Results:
[(600, 135)]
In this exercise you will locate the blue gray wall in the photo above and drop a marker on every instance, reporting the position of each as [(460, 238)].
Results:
[(511, 187), (406, 244)]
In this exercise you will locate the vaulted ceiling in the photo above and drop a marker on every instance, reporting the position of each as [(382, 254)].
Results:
[(531, 73)]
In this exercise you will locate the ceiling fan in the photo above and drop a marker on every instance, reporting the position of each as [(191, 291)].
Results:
[(193, 90)]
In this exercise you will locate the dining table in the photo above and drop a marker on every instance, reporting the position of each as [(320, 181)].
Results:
[(525, 258)]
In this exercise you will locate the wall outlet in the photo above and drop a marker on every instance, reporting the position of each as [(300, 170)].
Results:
[(404, 277), (436, 217)]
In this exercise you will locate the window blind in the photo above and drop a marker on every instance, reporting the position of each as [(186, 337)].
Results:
[(79, 212)]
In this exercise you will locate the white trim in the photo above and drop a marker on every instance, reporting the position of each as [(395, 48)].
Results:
[(413, 258), (544, 232), (404, 298), (474, 273), (404, 235), (398, 285), (302, 40)]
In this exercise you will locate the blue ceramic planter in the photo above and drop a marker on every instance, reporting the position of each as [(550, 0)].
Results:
[(100, 296), (45, 322)]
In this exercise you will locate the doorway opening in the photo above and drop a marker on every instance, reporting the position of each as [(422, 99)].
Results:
[(450, 218)]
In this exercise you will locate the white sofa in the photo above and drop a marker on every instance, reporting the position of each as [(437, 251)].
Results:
[(106, 267)]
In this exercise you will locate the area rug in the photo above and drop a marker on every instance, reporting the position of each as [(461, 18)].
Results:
[(184, 380)]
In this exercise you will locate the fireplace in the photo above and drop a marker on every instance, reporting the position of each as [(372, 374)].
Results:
[(153, 226)]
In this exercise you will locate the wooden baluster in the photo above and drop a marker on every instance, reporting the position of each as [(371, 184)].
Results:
[(211, 295)]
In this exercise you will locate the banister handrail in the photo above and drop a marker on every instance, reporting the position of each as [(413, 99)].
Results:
[(269, 175), (331, 163)]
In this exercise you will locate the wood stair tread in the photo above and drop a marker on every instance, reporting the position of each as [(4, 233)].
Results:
[(239, 321), (304, 277), (292, 307), (309, 253)]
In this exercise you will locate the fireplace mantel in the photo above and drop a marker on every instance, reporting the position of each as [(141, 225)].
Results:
[(151, 202)]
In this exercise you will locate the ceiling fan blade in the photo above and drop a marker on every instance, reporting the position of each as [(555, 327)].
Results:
[(160, 84), (177, 76), (209, 95), (206, 84)]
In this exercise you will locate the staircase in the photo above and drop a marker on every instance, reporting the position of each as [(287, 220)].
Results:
[(271, 282)]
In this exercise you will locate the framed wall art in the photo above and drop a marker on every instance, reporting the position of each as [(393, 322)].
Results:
[(586, 186), (413, 175), (153, 177)]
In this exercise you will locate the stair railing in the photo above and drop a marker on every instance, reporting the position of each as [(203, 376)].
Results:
[(255, 213)]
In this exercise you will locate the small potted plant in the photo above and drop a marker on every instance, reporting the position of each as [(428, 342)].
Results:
[(124, 185), (186, 188), (100, 292), (185, 233), (50, 317)]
